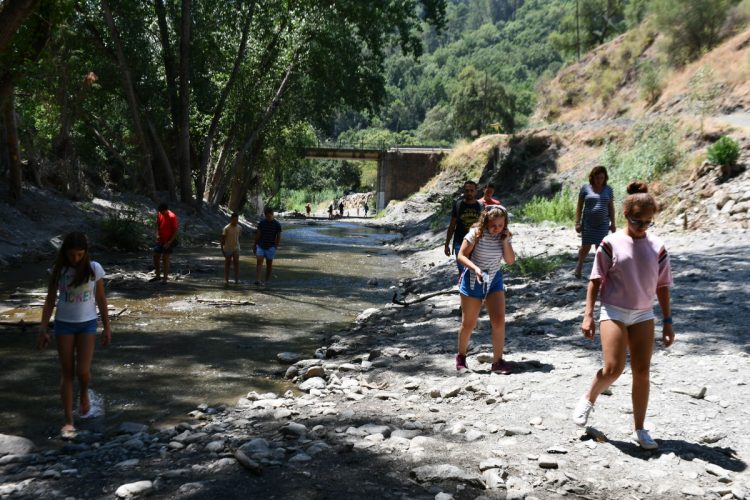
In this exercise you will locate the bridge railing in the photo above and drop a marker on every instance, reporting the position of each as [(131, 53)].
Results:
[(371, 145)]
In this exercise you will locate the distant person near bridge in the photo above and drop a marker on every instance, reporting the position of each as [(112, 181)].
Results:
[(367, 207), (308, 209)]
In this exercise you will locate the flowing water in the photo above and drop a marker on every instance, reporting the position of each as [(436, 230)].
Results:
[(171, 352)]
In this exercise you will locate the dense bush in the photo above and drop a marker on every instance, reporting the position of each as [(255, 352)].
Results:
[(724, 152), (124, 230), (560, 208)]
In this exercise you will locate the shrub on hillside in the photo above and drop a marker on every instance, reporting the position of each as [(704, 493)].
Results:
[(691, 26), (124, 230), (649, 82), (724, 152)]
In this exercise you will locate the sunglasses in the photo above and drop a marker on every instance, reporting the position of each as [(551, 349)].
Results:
[(641, 223)]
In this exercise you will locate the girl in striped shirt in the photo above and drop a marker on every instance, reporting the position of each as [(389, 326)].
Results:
[(630, 268), (487, 243)]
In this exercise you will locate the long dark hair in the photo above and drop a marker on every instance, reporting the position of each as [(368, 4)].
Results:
[(83, 272)]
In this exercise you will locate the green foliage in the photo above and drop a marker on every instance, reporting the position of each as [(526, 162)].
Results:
[(703, 93), (594, 22), (561, 208), (480, 104), (124, 230), (691, 26), (534, 266), (296, 199), (724, 152), (649, 152), (650, 82)]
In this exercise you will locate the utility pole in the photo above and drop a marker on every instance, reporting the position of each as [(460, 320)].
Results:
[(578, 34)]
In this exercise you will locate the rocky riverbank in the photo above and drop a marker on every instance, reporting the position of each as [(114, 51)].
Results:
[(379, 410)]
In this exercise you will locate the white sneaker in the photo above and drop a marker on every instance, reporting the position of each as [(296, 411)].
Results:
[(582, 411), (644, 440)]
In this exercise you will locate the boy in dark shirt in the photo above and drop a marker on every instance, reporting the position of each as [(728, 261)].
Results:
[(464, 214), (267, 239)]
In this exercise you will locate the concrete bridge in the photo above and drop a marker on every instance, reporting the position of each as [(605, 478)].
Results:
[(402, 170)]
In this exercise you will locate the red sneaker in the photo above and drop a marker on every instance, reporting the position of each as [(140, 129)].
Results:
[(502, 367), (461, 364)]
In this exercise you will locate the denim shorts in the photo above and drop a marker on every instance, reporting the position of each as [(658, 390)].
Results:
[(626, 316), (75, 328), (268, 253), (159, 248), (464, 285)]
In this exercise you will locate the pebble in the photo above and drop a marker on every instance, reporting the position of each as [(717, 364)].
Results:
[(131, 490)]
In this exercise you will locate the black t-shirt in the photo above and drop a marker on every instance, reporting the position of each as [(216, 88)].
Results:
[(268, 231), (466, 215)]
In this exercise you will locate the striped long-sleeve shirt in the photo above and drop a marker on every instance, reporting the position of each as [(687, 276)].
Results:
[(631, 270)]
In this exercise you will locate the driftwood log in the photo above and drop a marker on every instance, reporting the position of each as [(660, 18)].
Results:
[(224, 302)]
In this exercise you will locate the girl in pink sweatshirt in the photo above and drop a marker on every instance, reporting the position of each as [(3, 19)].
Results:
[(630, 268)]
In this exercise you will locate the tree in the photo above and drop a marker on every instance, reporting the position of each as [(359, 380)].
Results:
[(690, 26), (478, 101), (589, 24)]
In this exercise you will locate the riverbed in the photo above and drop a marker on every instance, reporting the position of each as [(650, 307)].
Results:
[(170, 351)]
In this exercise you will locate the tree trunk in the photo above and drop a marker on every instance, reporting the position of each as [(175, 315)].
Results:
[(186, 186), (216, 186), (169, 63), (260, 126), (147, 173), (245, 176), (166, 165), (219, 111), (11, 146), (12, 16)]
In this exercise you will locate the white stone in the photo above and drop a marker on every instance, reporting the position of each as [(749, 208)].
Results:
[(134, 489)]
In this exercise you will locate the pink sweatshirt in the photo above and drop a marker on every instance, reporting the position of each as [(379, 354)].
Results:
[(631, 270)]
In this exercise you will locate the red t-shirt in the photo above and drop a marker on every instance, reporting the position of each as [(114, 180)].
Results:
[(167, 225)]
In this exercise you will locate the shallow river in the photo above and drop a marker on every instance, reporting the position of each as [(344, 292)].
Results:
[(170, 353)]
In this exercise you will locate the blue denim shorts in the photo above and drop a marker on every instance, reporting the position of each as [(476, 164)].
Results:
[(268, 253), (465, 289), (75, 328)]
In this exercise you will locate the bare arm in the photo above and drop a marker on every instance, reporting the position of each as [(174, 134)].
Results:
[(588, 326), (463, 257), (611, 206), (579, 212), (101, 302), (42, 339), (509, 255), (278, 239), (663, 296), (449, 235)]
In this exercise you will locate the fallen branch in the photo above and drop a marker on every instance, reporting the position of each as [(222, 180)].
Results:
[(224, 302), (422, 298)]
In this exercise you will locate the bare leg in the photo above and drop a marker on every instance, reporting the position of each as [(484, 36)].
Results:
[(469, 313), (157, 264), (166, 266), (84, 344), (614, 346), (641, 341), (66, 353), (582, 253), (269, 267), (496, 308), (236, 260), (227, 262), (258, 268)]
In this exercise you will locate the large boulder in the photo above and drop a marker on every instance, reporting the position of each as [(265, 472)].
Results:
[(14, 445)]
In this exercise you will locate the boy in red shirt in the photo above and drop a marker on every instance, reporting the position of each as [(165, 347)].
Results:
[(166, 236)]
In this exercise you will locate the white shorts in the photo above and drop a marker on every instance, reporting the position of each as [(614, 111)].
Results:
[(625, 316)]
